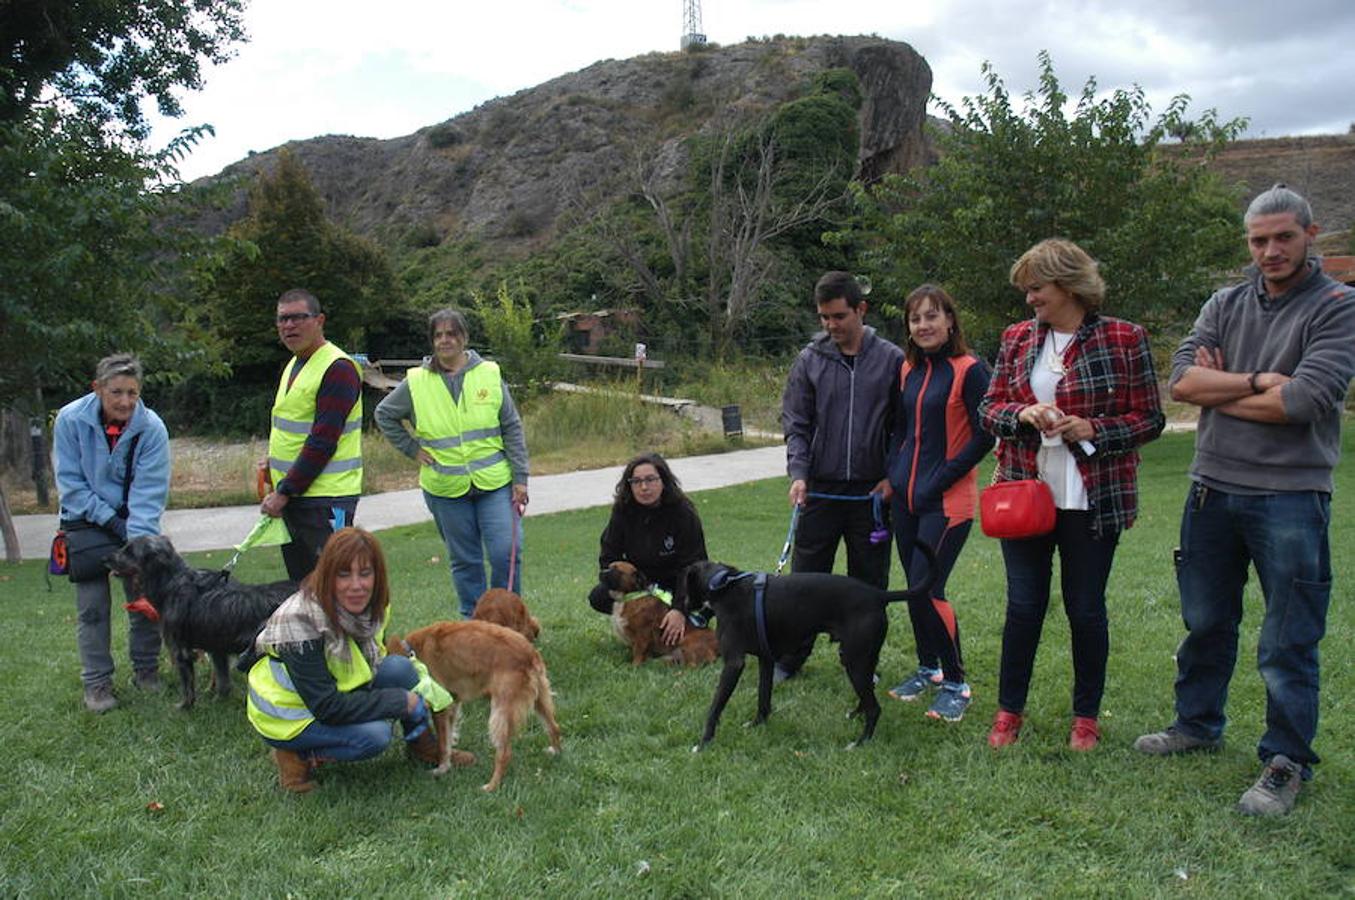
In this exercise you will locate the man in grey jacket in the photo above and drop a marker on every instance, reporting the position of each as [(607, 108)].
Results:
[(1268, 361), (836, 414)]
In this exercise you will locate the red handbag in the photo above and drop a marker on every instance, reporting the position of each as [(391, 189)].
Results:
[(1012, 510)]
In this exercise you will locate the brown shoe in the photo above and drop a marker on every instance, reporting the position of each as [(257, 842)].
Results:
[(294, 771), (424, 748)]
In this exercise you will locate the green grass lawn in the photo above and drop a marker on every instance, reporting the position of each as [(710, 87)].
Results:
[(927, 809)]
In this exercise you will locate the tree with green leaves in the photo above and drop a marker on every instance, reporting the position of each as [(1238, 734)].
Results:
[(285, 241), (1161, 226), (86, 268)]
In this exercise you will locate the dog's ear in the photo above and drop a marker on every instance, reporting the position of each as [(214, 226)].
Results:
[(720, 577)]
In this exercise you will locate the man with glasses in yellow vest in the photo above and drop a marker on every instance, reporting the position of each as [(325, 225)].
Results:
[(314, 462), (472, 454)]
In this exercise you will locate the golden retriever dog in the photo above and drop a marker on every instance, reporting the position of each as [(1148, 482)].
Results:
[(637, 621), (480, 659), (503, 607)]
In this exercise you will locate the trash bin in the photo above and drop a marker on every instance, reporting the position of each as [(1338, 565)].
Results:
[(732, 417)]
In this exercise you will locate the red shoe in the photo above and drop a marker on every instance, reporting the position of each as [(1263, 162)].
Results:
[(1086, 734), (1006, 728)]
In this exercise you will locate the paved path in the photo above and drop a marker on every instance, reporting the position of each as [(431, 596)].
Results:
[(216, 529)]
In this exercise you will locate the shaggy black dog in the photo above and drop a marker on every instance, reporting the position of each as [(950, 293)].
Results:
[(199, 609)]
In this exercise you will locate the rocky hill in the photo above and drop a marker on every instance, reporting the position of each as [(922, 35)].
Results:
[(1320, 167), (504, 170)]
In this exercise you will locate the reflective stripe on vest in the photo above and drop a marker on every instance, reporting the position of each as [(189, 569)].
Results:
[(293, 415), (274, 707), (463, 437)]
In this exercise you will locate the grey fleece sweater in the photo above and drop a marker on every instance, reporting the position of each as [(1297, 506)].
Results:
[(398, 406), (1308, 333)]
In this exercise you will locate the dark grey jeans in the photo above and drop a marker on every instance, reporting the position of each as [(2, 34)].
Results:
[(93, 613)]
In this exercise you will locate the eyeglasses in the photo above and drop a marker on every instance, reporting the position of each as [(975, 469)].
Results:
[(294, 318), (645, 481)]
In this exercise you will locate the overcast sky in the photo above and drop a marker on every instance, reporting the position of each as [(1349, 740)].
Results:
[(316, 67)]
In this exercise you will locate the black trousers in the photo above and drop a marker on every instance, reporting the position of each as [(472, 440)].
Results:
[(826, 522), (311, 520)]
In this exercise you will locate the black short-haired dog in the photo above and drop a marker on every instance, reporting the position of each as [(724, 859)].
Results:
[(792, 609), (198, 609)]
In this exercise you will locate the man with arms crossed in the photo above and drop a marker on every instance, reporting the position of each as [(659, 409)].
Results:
[(1268, 361)]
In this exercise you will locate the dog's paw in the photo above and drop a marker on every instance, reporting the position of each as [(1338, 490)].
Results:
[(551, 751), (698, 747), (440, 770)]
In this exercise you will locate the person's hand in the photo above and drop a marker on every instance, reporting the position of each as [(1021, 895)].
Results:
[(1267, 380), (273, 504), (520, 497), (884, 489), (118, 525), (424, 457), (412, 703), (1040, 416), (674, 626), (1209, 358), (1073, 429), (798, 492)]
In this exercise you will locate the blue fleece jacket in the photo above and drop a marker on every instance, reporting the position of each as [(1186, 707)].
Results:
[(89, 477)]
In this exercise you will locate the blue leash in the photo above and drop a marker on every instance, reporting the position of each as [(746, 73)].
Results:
[(880, 532)]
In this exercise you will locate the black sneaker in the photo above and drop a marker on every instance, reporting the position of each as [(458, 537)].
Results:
[(1275, 791), (1172, 741), (99, 697)]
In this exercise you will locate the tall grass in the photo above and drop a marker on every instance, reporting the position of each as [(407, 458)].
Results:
[(926, 809)]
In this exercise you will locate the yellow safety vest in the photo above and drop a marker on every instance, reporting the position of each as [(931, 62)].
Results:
[(463, 437), (293, 415), (277, 711)]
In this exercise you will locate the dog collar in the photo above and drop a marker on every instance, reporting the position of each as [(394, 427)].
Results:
[(652, 591)]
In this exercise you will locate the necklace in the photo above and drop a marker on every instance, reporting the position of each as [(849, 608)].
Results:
[(1056, 351)]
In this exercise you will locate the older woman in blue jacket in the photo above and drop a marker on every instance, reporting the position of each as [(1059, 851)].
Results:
[(96, 437)]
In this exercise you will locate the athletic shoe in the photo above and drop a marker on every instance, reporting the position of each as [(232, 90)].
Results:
[(1086, 733), (1275, 791), (1006, 729), (1171, 741), (951, 701), (99, 697), (917, 684)]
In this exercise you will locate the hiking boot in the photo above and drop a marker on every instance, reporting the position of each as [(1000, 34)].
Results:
[(424, 748), (917, 684), (1275, 791), (1086, 733), (1006, 729), (1166, 743), (147, 680), (99, 697), (951, 701), (294, 771)]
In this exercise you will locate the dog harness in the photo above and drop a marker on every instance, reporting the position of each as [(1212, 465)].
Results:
[(723, 579)]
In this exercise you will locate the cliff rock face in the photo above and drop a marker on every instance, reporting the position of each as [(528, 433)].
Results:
[(504, 171)]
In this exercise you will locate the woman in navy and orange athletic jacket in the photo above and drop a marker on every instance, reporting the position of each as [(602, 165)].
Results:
[(936, 445)]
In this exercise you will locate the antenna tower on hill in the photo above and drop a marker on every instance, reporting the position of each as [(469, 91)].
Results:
[(691, 25)]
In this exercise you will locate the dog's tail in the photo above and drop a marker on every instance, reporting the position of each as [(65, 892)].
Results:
[(923, 589)]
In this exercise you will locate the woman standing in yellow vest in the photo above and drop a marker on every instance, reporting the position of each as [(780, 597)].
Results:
[(323, 688), (468, 440)]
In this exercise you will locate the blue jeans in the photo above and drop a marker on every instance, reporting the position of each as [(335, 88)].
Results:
[(356, 740), (1285, 537), (1084, 569), (472, 526)]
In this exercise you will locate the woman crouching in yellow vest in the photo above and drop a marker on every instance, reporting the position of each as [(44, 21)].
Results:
[(472, 455), (323, 688)]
